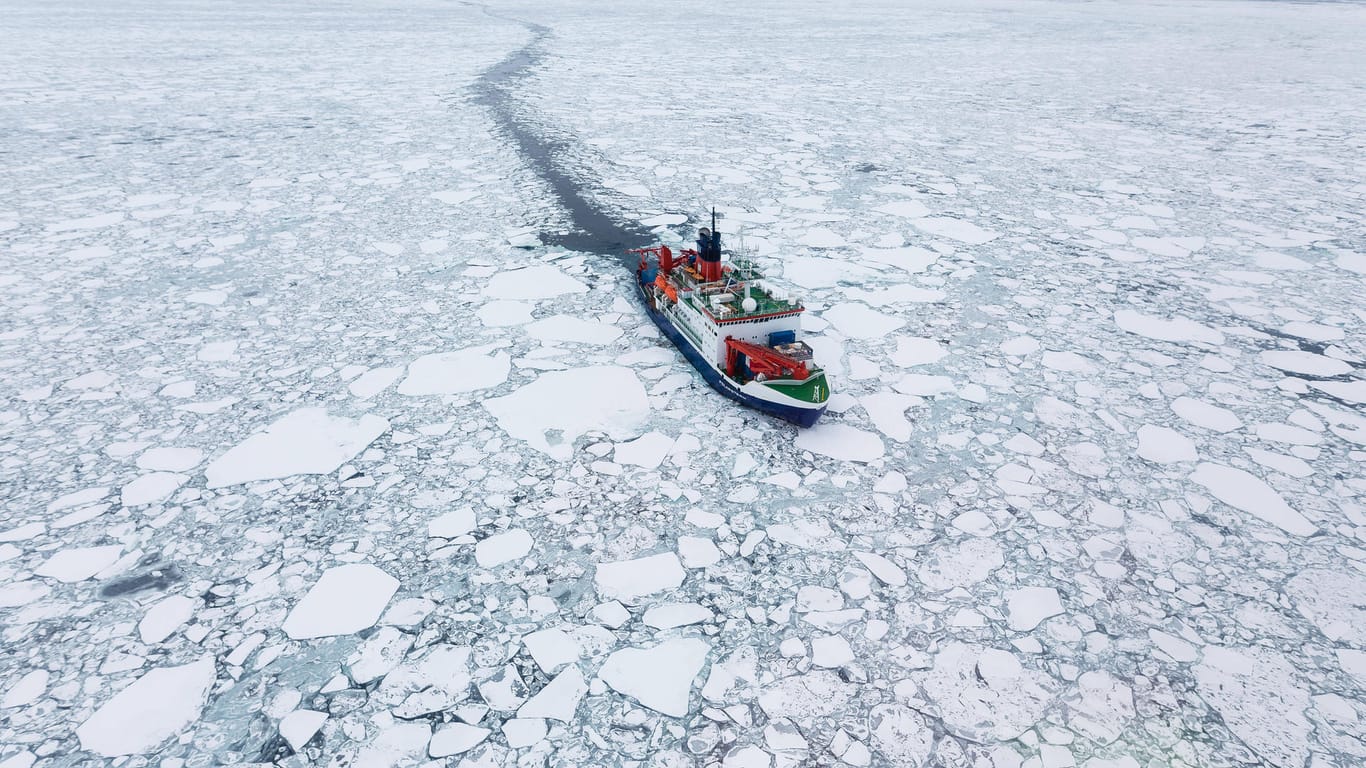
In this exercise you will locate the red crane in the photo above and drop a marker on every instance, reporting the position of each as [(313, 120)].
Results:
[(762, 361)]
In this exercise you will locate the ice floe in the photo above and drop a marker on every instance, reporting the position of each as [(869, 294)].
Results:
[(538, 282), (345, 599), (306, 441), (559, 406), (1249, 493), (155, 707), (660, 676), (464, 370), (632, 579)]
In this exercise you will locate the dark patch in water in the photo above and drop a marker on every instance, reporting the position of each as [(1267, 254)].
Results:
[(595, 231), (154, 576)]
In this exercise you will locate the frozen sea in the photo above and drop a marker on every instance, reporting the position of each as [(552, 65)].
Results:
[(328, 437)]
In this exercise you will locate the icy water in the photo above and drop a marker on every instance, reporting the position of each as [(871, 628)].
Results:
[(592, 230), (311, 456)]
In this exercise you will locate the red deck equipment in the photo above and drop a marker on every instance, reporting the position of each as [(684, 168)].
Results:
[(762, 361)]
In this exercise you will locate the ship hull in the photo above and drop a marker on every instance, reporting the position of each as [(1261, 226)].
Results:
[(801, 416)]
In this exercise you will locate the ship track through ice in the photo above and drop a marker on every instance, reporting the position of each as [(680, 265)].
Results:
[(753, 354)]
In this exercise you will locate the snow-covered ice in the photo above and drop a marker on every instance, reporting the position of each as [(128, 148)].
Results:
[(345, 599), (78, 564), (306, 441), (155, 707), (502, 547), (1244, 491), (632, 579), (293, 292), (660, 676), (560, 406), (449, 373)]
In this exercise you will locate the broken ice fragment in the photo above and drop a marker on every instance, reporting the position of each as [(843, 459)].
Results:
[(504, 691), (455, 739), (552, 648), (502, 548), (307, 441), (559, 699), (885, 570), (659, 677), (345, 599), (671, 615), (154, 708), (633, 579), (299, 726)]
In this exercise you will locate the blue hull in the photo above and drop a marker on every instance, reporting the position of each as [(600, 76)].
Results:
[(802, 417)]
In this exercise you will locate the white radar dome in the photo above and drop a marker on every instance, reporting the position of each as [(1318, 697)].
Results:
[(749, 304)]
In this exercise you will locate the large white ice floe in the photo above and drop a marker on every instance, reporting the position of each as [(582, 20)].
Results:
[(154, 708), (559, 699), (648, 450), (859, 321), (538, 282), (1249, 493), (79, 563), (841, 441), (463, 370), (955, 229), (502, 548), (308, 441), (573, 329), (659, 677), (560, 406), (1207, 415), (1029, 606), (345, 599), (630, 580), (1306, 363), (1164, 445), (164, 617), (1177, 329), (151, 488)]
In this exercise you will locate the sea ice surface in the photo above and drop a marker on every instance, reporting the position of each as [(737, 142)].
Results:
[(1249, 493), (633, 579), (450, 373), (155, 707), (345, 599), (559, 406), (660, 676), (306, 441), (290, 294)]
